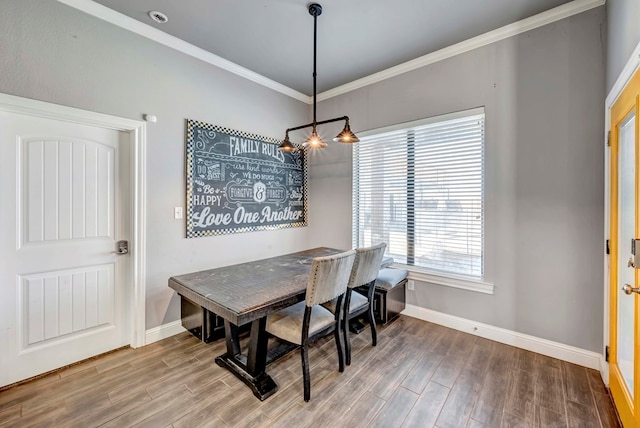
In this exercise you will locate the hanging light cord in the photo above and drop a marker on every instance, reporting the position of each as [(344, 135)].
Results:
[(315, 56)]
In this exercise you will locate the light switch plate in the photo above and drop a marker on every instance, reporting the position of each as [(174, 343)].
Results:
[(177, 213), (410, 285)]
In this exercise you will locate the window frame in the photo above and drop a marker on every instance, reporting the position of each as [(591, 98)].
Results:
[(419, 273)]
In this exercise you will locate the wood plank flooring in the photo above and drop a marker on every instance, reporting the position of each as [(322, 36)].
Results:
[(419, 375)]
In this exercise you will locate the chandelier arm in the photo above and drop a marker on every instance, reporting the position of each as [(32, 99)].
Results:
[(322, 122)]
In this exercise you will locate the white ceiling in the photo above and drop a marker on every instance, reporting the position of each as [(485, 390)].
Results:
[(356, 38)]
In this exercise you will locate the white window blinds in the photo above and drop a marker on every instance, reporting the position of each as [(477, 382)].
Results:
[(419, 188)]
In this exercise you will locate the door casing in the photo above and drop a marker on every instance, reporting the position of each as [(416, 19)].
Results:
[(625, 104)]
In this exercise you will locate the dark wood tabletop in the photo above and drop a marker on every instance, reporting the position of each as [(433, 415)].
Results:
[(245, 292)]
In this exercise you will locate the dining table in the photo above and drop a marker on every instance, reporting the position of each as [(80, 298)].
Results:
[(247, 293)]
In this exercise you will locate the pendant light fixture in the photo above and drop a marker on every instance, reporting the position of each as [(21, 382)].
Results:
[(314, 141)]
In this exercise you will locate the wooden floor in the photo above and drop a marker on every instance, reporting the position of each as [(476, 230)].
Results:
[(419, 375)]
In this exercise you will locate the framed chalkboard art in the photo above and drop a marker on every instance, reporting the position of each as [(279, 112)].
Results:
[(240, 182)]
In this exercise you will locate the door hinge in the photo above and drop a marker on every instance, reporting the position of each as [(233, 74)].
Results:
[(606, 354), (606, 244), (608, 138)]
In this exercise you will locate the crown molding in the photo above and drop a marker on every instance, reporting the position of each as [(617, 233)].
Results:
[(552, 15), (123, 21)]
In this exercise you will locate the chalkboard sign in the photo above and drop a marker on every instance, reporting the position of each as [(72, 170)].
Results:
[(240, 182)]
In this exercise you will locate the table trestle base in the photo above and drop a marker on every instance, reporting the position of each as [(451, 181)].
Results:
[(262, 386)]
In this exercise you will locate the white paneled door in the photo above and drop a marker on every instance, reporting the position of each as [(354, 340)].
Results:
[(64, 192)]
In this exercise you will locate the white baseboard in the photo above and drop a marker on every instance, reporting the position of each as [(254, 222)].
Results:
[(163, 331), (579, 356), (557, 350), (604, 370)]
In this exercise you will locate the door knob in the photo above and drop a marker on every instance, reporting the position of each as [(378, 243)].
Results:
[(628, 289), (123, 247)]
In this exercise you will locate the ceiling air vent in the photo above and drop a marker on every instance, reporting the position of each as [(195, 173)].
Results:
[(159, 17)]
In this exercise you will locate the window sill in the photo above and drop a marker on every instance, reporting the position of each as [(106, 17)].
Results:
[(461, 282)]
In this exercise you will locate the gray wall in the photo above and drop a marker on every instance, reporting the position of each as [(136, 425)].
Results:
[(51, 52), (623, 35), (543, 93)]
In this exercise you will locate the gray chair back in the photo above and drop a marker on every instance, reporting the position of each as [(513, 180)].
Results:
[(329, 277), (366, 265)]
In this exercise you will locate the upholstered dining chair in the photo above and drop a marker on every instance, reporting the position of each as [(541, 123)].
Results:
[(363, 275), (307, 321)]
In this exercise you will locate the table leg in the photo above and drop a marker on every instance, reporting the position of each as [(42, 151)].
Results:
[(232, 338), (250, 370), (257, 357)]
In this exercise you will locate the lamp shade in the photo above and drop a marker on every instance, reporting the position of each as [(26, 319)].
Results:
[(346, 136), (286, 145), (314, 141)]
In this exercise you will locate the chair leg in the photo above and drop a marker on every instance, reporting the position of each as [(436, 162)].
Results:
[(338, 337), (304, 352), (345, 328), (372, 323), (372, 319)]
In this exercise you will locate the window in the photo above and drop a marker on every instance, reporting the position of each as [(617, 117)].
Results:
[(419, 188)]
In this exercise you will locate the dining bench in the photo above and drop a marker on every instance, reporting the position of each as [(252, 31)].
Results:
[(389, 296), (200, 322)]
